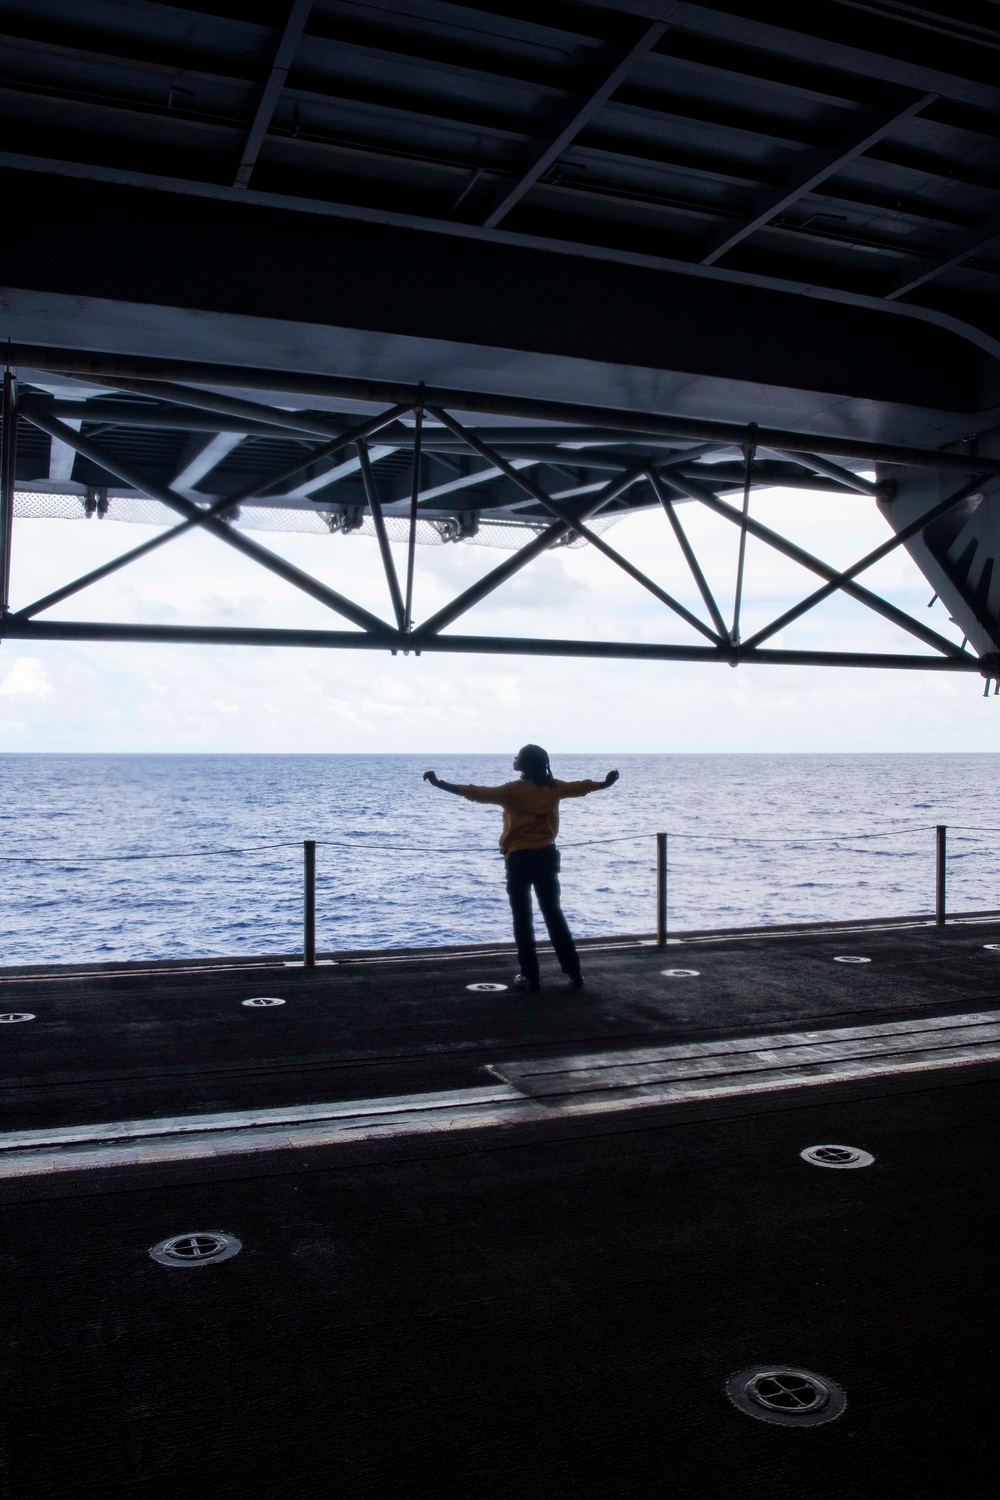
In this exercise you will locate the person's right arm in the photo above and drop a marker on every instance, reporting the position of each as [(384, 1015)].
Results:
[(584, 788), (471, 793), (442, 786)]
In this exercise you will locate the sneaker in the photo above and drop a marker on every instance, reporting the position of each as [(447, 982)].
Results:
[(521, 982), (575, 981)]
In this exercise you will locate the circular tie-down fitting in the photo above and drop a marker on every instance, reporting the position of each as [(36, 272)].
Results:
[(258, 1001), (992, 946), (849, 958), (8, 1017), (486, 987), (787, 1396), (843, 1158), (680, 973), (202, 1249)]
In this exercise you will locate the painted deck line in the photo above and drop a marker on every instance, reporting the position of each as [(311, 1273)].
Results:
[(734, 1069)]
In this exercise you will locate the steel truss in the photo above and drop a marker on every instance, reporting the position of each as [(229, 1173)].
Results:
[(639, 462)]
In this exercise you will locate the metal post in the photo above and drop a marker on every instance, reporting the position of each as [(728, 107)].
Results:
[(661, 890), (309, 904), (7, 480), (941, 838)]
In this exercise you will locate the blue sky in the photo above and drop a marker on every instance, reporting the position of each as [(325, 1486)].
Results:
[(61, 697)]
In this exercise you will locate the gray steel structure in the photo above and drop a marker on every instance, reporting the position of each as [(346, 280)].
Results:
[(721, 247)]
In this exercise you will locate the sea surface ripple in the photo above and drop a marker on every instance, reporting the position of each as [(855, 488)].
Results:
[(754, 839)]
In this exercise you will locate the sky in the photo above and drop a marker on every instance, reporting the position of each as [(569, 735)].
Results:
[(65, 697)]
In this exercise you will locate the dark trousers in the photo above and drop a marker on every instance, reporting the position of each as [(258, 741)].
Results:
[(538, 868)]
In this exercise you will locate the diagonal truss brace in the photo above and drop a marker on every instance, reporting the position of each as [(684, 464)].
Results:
[(781, 544), (562, 513), (212, 523), (219, 508), (520, 559), (867, 561)]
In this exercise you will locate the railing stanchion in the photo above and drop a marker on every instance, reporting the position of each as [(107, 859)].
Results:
[(309, 903), (941, 841), (661, 890)]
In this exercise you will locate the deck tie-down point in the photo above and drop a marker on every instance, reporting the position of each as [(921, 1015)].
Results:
[(200, 1249), (837, 1156), (786, 1396)]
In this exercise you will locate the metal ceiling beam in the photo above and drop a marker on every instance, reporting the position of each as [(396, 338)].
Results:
[(614, 69), (732, 285), (487, 645), (814, 169), (834, 471), (915, 273), (203, 462), (111, 369), (288, 41)]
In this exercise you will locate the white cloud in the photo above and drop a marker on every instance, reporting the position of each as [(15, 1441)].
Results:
[(27, 678), (192, 698)]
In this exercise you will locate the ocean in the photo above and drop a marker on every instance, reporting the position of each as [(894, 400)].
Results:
[(753, 839)]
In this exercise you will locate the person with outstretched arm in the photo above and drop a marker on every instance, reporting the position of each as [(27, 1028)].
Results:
[(528, 845)]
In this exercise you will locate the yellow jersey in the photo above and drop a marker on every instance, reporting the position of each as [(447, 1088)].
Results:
[(530, 812)]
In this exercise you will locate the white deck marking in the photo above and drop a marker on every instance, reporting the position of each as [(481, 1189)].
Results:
[(531, 1091)]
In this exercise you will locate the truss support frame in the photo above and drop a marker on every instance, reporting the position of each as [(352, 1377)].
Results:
[(270, 560), (816, 565)]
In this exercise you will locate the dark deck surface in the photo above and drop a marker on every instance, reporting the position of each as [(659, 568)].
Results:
[(165, 1041), (545, 1309)]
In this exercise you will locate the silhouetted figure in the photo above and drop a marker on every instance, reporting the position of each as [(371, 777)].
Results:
[(527, 843)]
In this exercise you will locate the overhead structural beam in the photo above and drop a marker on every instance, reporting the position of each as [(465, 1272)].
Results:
[(814, 169), (201, 465), (288, 41), (916, 272), (235, 406), (475, 645), (612, 72), (833, 471), (105, 368)]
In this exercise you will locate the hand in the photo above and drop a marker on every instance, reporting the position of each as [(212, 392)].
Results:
[(431, 776), (611, 778)]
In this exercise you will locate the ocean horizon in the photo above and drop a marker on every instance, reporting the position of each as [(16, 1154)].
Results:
[(111, 856)]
